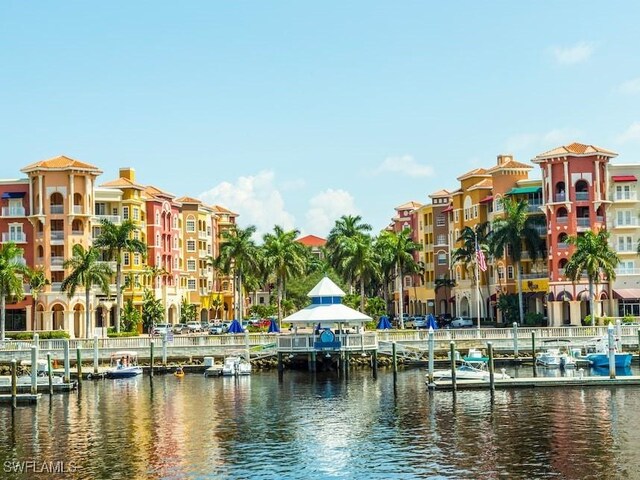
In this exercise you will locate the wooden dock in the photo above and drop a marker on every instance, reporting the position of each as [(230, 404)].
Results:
[(21, 398), (540, 382)]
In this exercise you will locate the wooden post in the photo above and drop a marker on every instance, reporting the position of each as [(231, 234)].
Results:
[(639, 345), (374, 363), (612, 352), (452, 354), (164, 349), (533, 352), (394, 357), (14, 382), (95, 354), (312, 364), (492, 378), (34, 370), (79, 366), (280, 364), (50, 373), (151, 346), (515, 340), (432, 343), (67, 367)]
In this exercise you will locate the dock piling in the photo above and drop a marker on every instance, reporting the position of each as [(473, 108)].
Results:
[(374, 363), (14, 383), (394, 357), (151, 347), (164, 349), (79, 365), (612, 352), (432, 343), (50, 373), (515, 340), (452, 354), (492, 379), (34, 370), (533, 353), (95, 354), (67, 368)]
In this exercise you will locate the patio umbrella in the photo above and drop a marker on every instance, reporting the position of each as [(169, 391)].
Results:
[(431, 322), (273, 327), (235, 327), (384, 323)]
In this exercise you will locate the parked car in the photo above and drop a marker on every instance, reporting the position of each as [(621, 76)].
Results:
[(161, 329), (194, 327), (460, 322), (218, 328), (420, 322), (180, 328)]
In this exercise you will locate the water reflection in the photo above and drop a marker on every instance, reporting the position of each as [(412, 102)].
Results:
[(326, 426)]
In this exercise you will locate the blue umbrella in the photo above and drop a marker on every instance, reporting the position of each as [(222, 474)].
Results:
[(273, 327), (235, 327), (431, 322), (384, 323)]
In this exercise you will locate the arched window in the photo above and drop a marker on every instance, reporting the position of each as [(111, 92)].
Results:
[(562, 240), (562, 215), (77, 203), (56, 202), (77, 227), (560, 195)]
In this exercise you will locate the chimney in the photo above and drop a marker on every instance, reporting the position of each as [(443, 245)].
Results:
[(502, 159), (128, 173)]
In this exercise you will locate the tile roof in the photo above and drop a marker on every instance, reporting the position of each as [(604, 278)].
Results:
[(486, 183), (440, 193), (188, 200), (409, 205), (576, 149), (312, 241), (221, 209), (123, 182), (511, 164), (61, 162), (152, 191), (476, 172)]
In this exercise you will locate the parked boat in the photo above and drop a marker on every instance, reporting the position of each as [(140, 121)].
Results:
[(475, 355), (234, 365), (124, 364), (469, 370), (555, 358), (597, 353)]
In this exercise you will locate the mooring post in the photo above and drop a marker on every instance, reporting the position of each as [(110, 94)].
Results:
[(14, 382), (151, 347), (452, 354), (639, 345), (164, 349), (67, 367), (618, 335), (432, 344), (394, 357), (612, 352), (515, 339), (280, 366), (79, 365), (374, 363), (50, 373), (533, 352), (492, 379), (34, 370), (95, 354)]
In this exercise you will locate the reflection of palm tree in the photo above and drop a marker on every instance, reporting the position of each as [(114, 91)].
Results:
[(37, 282), (594, 256), (11, 271), (447, 284)]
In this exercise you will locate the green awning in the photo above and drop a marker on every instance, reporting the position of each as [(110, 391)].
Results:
[(523, 190)]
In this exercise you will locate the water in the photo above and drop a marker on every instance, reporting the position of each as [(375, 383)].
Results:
[(323, 427)]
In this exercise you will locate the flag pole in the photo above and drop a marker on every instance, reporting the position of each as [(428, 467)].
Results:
[(475, 236)]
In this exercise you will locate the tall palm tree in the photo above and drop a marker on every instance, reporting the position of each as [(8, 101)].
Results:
[(284, 257), (86, 271), (466, 253), (346, 227), (37, 281), (592, 255), (447, 284), (359, 257), (399, 248), (11, 272), (517, 230), (115, 240), (237, 255), (152, 272)]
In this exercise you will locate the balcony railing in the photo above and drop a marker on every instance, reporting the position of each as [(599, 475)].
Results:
[(627, 271), (13, 211), (628, 197), (534, 207), (563, 245), (584, 222), (16, 237), (112, 218), (57, 235), (532, 275), (629, 222), (582, 196), (77, 209), (560, 197), (56, 209), (57, 261)]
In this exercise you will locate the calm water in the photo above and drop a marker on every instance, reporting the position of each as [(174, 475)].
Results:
[(324, 427)]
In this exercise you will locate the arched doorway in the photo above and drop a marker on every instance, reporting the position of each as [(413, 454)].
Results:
[(57, 317), (172, 314), (464, 307), (38, 322), (204, 315)]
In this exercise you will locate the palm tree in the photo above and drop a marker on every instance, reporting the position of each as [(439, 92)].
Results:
[(466, 254), (117, 239), (87, 270), (515, 230), (399, 248), (11, 286), (348, 226), (37, 281), (359, 258), (447, 284), (238, 254), (284, 257), (594, 256), (152, 272)]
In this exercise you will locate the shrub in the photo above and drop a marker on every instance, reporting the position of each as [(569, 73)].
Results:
[(532, 318), (46, 335), (122, 334)]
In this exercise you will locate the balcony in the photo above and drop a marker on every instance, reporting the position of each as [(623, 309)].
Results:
[(584, 222), (57, 263), (534, 207), (115, 219), (628, 197), (562, 220), (627, 223), (559, 197), (57, 235), (582, 196), (56, 286), (15, 237), (627, 271), (77, 209), (56, 209), (533, 275), (563, 245), (13, 211)]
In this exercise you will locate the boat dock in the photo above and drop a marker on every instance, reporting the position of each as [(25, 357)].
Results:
[(21, 398), (539, 382)]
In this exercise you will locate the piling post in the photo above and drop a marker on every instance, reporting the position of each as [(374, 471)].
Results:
[(34, 370), (79, 365), (67, 367), (152, 344), (492, 379), (612, 352), (14, 382), (452, 354), (639, 345), (95, 354), (515, 339), (164, 349), (432, 343), (50, 373), (618, 335), (374, 363), (533, 352), (394, 357)]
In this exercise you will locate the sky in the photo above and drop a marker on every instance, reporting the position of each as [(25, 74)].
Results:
[(294, 113)]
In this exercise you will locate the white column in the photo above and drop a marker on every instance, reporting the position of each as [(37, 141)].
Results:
[(597, 185), (71, 192), (565, 165), (41, 196)]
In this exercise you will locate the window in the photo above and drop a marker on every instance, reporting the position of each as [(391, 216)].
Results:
[(510, 272), (157, 218), (442, 259), (191, 284), (501, 272), (157, 239), (136, 214), (175, 263), (125, 213), (191, 265), (100, 208), (623, 192), (191, 245), (136, 259), (191, 225), (136, 235), (625, 244), (174, 221), (158, 261), (456, 216), (623, 217), (440, 220), (126, 259), (175, 242), (441, 239)]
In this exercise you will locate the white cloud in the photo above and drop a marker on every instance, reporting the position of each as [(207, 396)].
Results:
[(546, 140), (256, 199), (405, 165), (631, 134), (577, 53), (630, 87), (326, 207)]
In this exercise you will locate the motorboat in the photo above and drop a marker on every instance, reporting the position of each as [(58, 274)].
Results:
[(555, 358), (179, 372), (124, 364), (469, 370), (597, 354), (235, 365), (475, 355)]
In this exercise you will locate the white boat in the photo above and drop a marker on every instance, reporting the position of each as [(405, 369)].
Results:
[(235, 365), (469, 370), (555, 358), (124, 364)]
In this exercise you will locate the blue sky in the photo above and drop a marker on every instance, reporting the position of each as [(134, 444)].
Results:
[(295, 112)]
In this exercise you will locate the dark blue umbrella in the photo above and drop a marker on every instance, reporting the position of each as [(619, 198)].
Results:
[(384, 323), (273, 327), (235, 327), (431, 322)]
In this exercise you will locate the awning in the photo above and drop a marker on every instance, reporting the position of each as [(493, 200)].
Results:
[(627, 293), (13, 195), (448, 209), (624, 178), (523, 190), (487, 199)]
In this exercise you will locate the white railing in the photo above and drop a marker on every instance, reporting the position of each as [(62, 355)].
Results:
[(629, 222), (627, 271), (622, 197), (528, 276), (559, 197), (56, 209), (57, 235), (77, 209), (581, 196), (584, 222), (112, 218), (13, 212), (57, 261), (16, 237)]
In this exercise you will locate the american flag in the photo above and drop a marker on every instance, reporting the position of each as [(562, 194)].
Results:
[(482, 263)]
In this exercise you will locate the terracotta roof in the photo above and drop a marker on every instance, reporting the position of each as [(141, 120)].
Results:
[(440, 193), (575, 149), (59, 163), (188, 200), (487, 199), (221, 209), (156, 192), (511, 164), (312, 241), (476, 172), (409, 205), (486, 183), (123, 182)]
